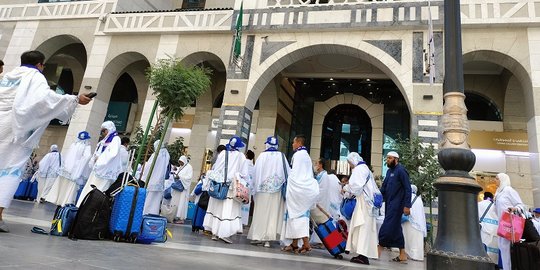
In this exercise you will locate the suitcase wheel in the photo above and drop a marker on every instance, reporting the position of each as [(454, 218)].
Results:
[(117, 237), (339, 257)]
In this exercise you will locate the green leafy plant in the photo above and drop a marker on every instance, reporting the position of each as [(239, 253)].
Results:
[(175, 87), (176, 150)]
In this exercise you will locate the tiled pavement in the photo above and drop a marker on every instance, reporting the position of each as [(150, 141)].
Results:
[(22, 249)]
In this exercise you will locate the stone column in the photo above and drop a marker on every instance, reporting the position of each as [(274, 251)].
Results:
[(90, 117), (458, 244), (533, 125)]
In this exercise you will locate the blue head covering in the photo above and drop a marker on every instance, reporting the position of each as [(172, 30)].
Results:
[(83, 135), (235, 143), (271, 142)]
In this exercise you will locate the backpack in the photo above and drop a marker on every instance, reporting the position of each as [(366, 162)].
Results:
[(92, 220)]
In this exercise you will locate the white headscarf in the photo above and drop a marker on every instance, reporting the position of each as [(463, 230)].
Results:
[(109, 126), (354, 158), (54, 148), (156, 144), (184, 160), (418, 217), (414, 189), (504, 182)]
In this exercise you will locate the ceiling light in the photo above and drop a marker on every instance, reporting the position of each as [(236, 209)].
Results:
[(331, 79), (368, 80)]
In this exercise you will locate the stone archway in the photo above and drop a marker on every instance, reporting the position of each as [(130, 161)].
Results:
[(374, 111), (288, 55), (517, 81), (64, 55), (202, 120)]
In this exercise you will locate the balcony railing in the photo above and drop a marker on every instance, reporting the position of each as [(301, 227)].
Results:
[(179, 21), (284, 14), (59, 10)]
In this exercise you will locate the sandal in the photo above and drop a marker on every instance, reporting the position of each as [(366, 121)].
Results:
[(360, 260), (290, 248), (39, 230), (398, 260), (305, 250)]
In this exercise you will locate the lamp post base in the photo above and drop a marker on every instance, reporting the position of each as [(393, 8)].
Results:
[(458, 244)]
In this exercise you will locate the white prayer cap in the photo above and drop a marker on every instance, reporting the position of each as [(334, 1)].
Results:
[(54, 148), (414, 189), (183, 159), (392, 154)]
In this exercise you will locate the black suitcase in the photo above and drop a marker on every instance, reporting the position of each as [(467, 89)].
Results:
[(92, 220), (525, 256)]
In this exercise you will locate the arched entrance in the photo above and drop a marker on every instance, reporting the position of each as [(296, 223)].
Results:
[(346, 128), (196, 126), (500, 104), (312, 80), (348, 123), (65, 64)]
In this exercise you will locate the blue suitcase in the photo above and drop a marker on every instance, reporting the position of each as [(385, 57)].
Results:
[(127, 213), (63, 219), (153, 229), (20, 194)]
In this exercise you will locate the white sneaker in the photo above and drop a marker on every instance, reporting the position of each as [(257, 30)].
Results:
[(226, 240), (266, 244), (3, 227), (215, 238)]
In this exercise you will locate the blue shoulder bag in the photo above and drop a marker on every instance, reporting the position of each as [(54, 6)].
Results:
[(219, 190)]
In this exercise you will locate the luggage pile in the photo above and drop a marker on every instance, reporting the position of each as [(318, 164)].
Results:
[(28, 189)]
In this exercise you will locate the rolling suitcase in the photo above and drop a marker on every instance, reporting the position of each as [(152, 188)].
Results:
[(92, 219), (153, 229), (127, 213), (525, 256), (63, 219), (333, 239)]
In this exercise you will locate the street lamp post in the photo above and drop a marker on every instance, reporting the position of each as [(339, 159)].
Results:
[(458, 244)]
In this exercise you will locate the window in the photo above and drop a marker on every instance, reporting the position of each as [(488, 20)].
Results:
[(193, 4)]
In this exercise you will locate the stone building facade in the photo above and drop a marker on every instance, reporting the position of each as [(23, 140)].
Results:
[(302, 60)]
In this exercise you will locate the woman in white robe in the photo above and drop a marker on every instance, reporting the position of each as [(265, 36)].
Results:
[(155, 182), (270, 174), (106, 162), (505, 197), (49, 167), (178, 206), (27, 105), (489, 225), (302, 194), (223, 217), (363, 237), (65, 188), (334, 196), (415, 230)]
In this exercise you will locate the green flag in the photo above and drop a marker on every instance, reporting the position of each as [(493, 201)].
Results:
[(238, 33)]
